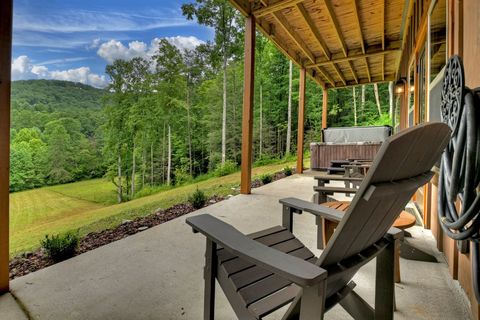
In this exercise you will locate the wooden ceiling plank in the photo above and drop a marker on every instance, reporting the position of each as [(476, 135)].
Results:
[(382, 30), (301, 45), (363, 81), (368, 69), (371, 54), (336, 25), (314, 30), (352, 69), (339, 72), (289, 30), (275, 7), (359, 26), (326, 75)]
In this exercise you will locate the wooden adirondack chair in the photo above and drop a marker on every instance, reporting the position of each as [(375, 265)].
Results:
[(269, 269)]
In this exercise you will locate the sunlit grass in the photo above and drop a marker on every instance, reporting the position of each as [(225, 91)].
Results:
[(83, 206)]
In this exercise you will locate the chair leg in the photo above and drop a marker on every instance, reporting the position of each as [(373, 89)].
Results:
[(209, 276), (397, 261), (312, 305), (384, 284)]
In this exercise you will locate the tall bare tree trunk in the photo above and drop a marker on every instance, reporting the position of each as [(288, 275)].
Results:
[(354, 106), (163, 153), (133, 170), (169, 164), (362, 105), (119, 186), (151, 165), (390, 99), (289, 116), (144, 166), (189, 134), (224, 113), (261, 121), (377, 99)]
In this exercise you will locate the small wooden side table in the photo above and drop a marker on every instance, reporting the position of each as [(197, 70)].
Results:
[(404, 221)]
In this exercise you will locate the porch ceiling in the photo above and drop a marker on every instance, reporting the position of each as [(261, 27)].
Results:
[(339, 42)]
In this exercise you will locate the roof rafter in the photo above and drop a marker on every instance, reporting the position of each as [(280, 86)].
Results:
[(274, 7), (360, 33), (316, 34), (269, 31), (374, 53), (383, 36), (299, 42), (336, 25)]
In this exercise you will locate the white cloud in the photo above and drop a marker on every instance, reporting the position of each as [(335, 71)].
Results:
[(94, 44), (113, 49), (23, 68), (185, 43)]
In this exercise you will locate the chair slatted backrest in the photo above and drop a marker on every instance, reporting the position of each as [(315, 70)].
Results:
[(402, 165)]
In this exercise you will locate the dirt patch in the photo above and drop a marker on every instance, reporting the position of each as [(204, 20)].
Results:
[(33, 261)]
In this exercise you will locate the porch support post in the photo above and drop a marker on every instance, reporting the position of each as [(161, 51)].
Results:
[(324, 108), (301, 120), (6, 10), (247, 119)]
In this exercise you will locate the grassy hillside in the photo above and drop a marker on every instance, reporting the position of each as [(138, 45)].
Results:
[(57, 95), (87, 206)]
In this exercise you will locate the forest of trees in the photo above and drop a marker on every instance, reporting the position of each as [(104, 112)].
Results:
[(166, 120)]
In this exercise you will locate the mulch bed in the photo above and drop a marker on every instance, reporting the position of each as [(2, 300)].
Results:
[(32, 261)]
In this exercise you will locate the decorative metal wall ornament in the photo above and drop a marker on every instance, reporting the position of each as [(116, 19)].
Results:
[(460, 167), (453, 93)]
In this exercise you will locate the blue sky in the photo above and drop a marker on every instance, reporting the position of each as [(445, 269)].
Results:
[(74, 40)]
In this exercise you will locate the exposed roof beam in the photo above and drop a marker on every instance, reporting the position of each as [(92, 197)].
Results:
[(299, 42), (289, 30), (383, 7), (339, 72), (313, 29), (359, 26), (274, 7), (371, 54), (368, 70), (316, 34), (336, 25), (388, 78), (325, 75), (350, 65), (269, 32)]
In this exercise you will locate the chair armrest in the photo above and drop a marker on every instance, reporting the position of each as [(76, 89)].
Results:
[(316, 209), (331, 190), (303, 273), (395, 234)]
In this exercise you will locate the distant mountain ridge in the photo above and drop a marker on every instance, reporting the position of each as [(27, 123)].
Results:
[(56, 94)]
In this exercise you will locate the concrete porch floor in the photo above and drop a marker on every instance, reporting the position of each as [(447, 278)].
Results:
[(157, 274)]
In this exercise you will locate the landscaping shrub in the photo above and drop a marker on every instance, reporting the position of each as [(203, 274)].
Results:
[(287, 171), (227, 168), (61, 246), (198, 199), (266, 178)]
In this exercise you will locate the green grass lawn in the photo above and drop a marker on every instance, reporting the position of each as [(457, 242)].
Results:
[(89, 206)]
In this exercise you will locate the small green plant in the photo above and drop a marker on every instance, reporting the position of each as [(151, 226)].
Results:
[(266, 178), (227, 168), (287, 171), (198, 199), (61, 246)]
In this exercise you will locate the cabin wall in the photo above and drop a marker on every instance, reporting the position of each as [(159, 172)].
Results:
[(463, 38)]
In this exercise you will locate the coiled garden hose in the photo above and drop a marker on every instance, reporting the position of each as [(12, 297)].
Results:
[(460, 167)]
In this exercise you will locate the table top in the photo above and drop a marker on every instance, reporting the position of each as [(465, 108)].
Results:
[(404, 221)]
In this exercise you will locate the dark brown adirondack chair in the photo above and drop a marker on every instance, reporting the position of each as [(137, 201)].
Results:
[(264, 271)]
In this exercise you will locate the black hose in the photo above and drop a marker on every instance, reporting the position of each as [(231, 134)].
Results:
[(460, 167)]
